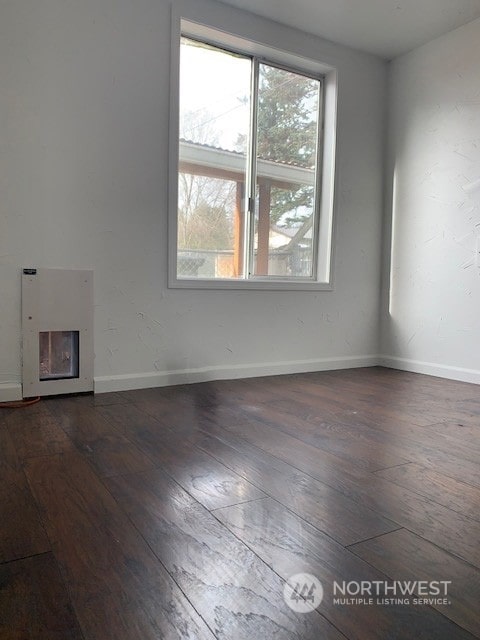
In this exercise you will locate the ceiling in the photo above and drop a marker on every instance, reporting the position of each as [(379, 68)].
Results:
[(387, 28)]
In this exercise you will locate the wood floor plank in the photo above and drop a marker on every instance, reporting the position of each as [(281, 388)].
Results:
[(159, 401), (418, 400), (117, 586), (223, 488), (374, 495), (436, 523), (319, 464), (366, 398), (209, 481), (241, 391), (37, 435), (234, 591), (21, 530), (291, 546), (133, 423), (435, 453), (410, 442), (336, 445), (393, 381), (457, 431), (205, 478), (181, 412), (321, 505), (447, 464), (406, 438), (465, 433), (368, 491), (23, 411), (404, 556), (457, 496), (174, 415), (399, 506), (356, 446), (419, 412), (108, 450), (34, 603), (100, 399), (319, 392), (83, 401)]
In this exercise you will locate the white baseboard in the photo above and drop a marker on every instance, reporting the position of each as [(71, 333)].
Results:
[(104, 384), (10, 391), (430, 369)]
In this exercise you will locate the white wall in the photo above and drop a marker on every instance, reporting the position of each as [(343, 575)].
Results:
[(431, 313), (84, 108)]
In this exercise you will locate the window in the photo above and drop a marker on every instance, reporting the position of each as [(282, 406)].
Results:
[(250, 188), (58, 355)]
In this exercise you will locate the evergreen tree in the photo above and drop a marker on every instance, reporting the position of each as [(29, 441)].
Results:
[(287, 133)]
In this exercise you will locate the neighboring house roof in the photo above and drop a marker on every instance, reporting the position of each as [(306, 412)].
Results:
[(284, 231), (281, 173)]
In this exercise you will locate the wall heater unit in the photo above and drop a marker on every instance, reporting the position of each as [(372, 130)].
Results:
[(57, 328)]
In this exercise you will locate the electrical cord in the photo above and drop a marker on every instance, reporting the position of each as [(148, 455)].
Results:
[(20, 403)]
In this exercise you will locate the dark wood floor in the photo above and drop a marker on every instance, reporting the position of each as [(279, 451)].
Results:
[(181, 512)]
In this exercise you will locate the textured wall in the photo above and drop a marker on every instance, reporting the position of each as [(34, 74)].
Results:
[(83, 177), (431, 311)]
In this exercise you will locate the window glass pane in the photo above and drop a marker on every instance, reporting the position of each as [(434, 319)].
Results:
[(58, 355), (287, 138), (214, 135)]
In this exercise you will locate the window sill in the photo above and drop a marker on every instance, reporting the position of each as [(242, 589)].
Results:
[(252, 285)]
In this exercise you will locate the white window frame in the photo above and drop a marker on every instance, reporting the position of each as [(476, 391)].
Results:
[(186, 22)]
